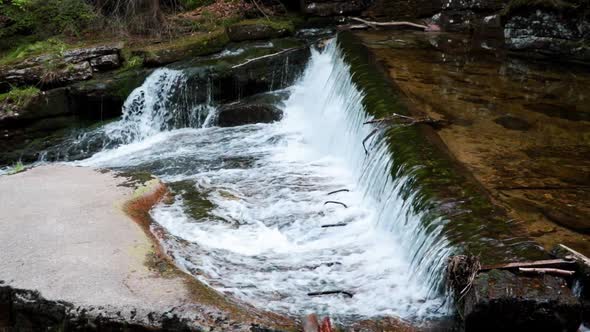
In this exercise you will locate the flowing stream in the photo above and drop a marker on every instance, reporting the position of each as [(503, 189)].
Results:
[(262, 188)]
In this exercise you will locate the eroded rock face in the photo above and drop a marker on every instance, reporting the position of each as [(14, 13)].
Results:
[(242, 114), (503, 301), (547, 33), (60, 70)]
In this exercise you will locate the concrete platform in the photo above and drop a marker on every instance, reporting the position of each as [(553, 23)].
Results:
[(63, 233)]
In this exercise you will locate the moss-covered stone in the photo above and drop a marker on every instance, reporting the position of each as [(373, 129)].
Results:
[(260, 29), (182, 48)]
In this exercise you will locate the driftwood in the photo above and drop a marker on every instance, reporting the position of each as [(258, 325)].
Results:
[(338, 191), (559, 272), (533, 264), (335, 202), (333, 292)]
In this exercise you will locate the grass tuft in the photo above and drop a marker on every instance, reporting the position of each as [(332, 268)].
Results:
[(18, 167), (19, 97)]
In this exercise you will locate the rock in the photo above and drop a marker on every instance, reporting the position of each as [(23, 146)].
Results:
[(183, 48), (242, 114), (54, 70), (548, 34), (503, 301), (333, 7), (258, 29), (105, 62)]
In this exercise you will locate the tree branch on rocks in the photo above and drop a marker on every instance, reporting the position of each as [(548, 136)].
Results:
[(559, 272), (375, 25)]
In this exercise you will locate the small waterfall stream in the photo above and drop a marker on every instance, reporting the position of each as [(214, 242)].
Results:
[(262, 190)]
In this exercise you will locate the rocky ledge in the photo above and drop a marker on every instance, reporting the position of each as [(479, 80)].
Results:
[(53, 70), (91, 263)]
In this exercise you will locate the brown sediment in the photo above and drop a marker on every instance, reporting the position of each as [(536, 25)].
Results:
[(520, 129)]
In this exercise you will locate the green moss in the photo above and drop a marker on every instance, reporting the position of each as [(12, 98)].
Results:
[(18, 167), (196, 204), (51, 46), (476, 225), (275, 23), (19, 97), (181, 48)]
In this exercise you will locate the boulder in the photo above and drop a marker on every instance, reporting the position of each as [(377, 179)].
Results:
[(258, 29), (500, 300), (241, 114)]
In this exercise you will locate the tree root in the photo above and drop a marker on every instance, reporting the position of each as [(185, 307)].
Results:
[(338, 191)]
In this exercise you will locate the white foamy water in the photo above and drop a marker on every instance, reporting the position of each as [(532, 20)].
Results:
[(263, 239)]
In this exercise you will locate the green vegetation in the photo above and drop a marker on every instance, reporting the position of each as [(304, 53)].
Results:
[(46, 17), (51, 46), (275, 23), (17, 168), (19, 96)]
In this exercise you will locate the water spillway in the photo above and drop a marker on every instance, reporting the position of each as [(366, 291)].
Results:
[(250, 216)]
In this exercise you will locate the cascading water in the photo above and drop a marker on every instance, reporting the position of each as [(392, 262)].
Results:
[(259, 237)]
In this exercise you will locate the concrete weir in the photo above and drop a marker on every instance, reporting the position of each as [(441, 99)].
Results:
[(73, 259)]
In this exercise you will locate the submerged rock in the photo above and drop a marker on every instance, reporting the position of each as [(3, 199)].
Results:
[(241, 114), (503, 301)]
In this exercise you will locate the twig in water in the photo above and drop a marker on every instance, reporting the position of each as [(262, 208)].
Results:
[(335, 202), (334, 225), (334, 292), (367, 138), (338, 191)]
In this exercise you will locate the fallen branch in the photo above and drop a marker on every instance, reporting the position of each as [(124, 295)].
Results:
[(374, 24), (576, 255), (559, 272), (533, 264), (335, 202), (260, 9), (262, 57), (338, 191), (334, 292), (334, 225), (407, 120), (373, 132)]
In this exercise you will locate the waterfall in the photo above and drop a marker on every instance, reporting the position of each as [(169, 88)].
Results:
[(256, 225), (160, 104), (330, 112)]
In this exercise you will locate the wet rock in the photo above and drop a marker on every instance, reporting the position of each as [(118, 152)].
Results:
[(548, 34), (513, 123), (241, 114), (105, 62), (503, 301), (333, 7), (183, 48), (257, 30)]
